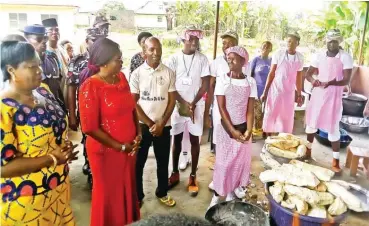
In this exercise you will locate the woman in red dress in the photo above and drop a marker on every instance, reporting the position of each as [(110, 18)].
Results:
[(109, 119)]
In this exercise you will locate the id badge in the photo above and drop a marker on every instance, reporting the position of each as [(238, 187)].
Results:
[(187, 81)]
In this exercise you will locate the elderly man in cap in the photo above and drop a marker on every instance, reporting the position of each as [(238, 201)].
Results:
[(52, 31), (192, 80), (74, 80), (218, 68), (324, 110), (51, 75), (284, 80)]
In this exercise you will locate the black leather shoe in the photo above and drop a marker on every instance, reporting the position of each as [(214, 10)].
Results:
[(90, 181), (86, 169)]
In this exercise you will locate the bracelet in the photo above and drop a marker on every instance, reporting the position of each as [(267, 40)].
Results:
[(55, 160)]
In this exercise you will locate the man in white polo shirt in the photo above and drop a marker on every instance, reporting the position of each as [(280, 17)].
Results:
[(192, 80), (153, 87)]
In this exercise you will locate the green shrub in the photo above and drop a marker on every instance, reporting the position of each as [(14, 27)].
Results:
[(170, 43)]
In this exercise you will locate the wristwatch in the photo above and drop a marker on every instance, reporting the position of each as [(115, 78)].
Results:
[(123, 148)]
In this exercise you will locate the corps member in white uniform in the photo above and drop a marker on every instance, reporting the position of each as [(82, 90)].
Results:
[(218, 68), (192, 80), (153, 88)]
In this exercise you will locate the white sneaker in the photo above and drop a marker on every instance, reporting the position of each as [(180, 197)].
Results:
[(240, 192), (215, 200), (211, 186), (230, 197), (184, 162)]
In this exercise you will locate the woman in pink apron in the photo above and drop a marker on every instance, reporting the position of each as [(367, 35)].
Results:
[(279, 93), (324, 110), (235, 95)]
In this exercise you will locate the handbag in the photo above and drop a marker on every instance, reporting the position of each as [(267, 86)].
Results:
[(240, 127), (183, 110)]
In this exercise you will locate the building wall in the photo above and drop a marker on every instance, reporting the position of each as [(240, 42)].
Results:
[(125, 19), (150, 21), (84, 19), (65, 17)]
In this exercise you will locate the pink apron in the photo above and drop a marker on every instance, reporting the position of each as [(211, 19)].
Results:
[(280, 104), (233, 159), (324, 110)]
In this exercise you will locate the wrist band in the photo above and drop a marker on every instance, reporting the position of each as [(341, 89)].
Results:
[(55, 160)]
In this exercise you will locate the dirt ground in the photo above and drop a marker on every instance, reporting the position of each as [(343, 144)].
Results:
[(197, 206)]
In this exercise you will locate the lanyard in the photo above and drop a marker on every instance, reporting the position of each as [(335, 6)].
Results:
[(184, 62)]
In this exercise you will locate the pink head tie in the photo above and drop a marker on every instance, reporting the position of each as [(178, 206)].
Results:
[(187, 33), (242, 52)]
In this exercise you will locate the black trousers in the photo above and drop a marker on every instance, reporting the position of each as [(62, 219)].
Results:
[(162, 151)]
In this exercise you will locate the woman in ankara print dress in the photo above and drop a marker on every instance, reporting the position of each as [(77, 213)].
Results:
[(35, 187)]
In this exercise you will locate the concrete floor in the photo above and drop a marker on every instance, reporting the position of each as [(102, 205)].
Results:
[(197, 206)]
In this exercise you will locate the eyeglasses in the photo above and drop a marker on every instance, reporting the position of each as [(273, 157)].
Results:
[(39, 38), (52, 30)]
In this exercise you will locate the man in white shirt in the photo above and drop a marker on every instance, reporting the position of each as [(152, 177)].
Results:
[(218, 67), (192, 80), (153, 87), (324, 110)]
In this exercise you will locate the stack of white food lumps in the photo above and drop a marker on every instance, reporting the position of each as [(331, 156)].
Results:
[(308, 189), (287, 146)]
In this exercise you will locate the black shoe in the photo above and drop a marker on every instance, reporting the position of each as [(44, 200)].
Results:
[(86, 169), (90, 181)]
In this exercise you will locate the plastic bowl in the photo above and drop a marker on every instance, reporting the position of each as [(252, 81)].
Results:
[(322, 137)]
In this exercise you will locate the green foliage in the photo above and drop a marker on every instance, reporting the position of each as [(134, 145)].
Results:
[(113, 6), (349, 17), (255, 20), (170, 43)]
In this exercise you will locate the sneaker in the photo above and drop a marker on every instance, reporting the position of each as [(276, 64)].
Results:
[(184, 163), (211, 186), (215, 200), (240, 192), (193, 186), (230, 197)]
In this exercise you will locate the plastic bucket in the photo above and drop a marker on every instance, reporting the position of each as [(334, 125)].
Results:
[(281, 216)]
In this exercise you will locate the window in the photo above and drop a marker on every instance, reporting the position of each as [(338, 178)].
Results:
[(17, 20), (160, 19), (48, 16)]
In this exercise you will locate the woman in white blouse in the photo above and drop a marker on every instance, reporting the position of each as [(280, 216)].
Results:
[(235, 94)]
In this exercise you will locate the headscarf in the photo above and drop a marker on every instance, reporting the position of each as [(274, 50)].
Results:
[(242, 52), (192, 31), (334, 35)]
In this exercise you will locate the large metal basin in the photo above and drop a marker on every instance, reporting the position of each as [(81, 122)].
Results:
[(235, 213), (354, 124)]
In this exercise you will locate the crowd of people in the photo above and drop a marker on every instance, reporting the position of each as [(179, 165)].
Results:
[(162, 104)]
